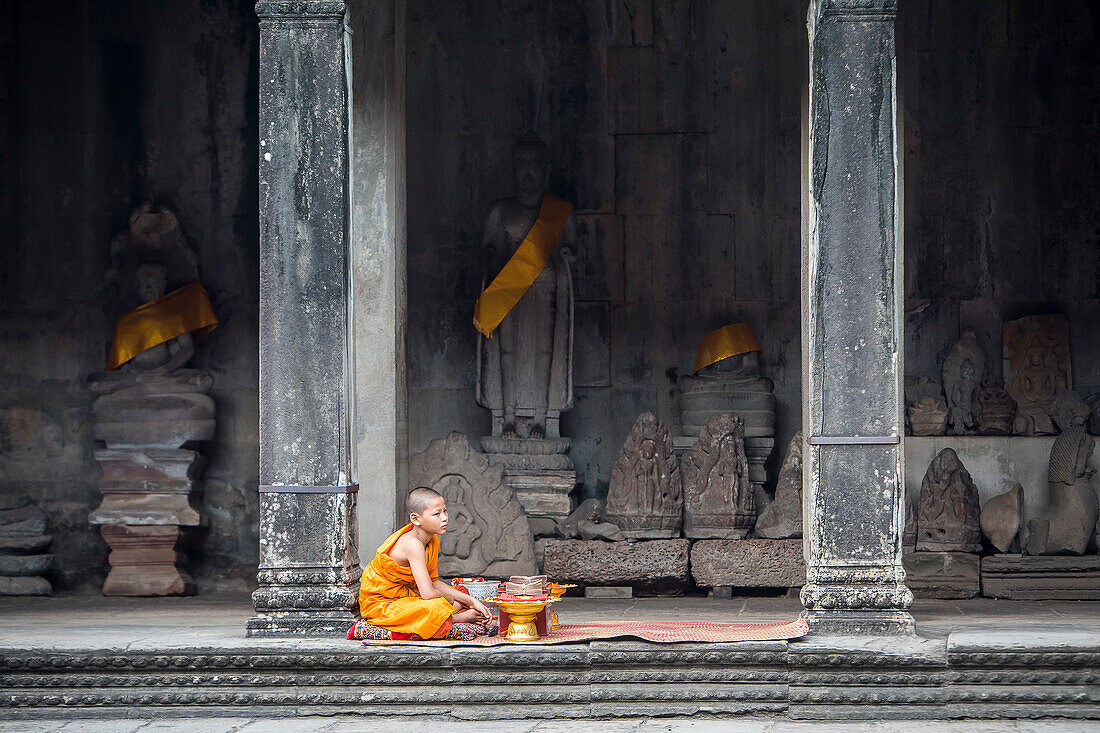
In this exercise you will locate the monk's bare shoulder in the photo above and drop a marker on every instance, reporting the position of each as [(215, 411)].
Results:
[(406, 547)]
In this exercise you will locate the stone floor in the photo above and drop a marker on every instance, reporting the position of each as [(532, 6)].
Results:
[(632, 725), (95, 622)]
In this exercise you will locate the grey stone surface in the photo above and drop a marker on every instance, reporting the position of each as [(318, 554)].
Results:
[(782, 518), (488, 533), (1026, 577), (649, 567), (942, 574), (949, 511), (718, 497), (542, 493), (753, 563), (645, 498), (378, 250), (1002, 517), (24, 564), (24, 586), (610, 591), (309, 560), (1069, 524), (852, 262)]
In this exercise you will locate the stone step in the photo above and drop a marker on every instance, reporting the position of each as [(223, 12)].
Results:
[(813, 678)]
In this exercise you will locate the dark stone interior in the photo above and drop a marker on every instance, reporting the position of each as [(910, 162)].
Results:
[(675, 129)]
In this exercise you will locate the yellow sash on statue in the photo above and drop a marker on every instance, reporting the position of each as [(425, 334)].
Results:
[(180, 311), (524, 267), (727, 341)]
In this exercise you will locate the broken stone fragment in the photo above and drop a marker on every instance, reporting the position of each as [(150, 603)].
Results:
[(1001, 517)]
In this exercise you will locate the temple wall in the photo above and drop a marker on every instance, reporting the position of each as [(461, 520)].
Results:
[(102, 109), (674, 128)]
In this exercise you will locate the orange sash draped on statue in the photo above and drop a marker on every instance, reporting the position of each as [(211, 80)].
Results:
[(180, 311), (388, 597), (523, 268), (730, 340)]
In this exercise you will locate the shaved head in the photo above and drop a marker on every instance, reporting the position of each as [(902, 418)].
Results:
[(419, 499)]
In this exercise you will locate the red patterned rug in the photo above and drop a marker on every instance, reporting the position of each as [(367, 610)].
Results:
[(664, 632)]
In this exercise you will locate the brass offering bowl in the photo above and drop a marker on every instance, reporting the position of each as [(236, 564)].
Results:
[(521, 624), (556, 590)]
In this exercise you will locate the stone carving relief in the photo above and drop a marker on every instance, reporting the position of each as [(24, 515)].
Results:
[(718, 497), (996, 410), (585, 522), (948, 517), (926, 409), (782, 518), (1002, 516), (1036, 366), (1093, 401), (1068, 525), (963, 374), (645, 499), (487, 532)]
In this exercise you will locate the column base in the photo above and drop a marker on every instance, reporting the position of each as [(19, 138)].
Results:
[(301, 623), (860, 623)]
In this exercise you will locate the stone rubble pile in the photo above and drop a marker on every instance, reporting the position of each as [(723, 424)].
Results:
[(23, 545)]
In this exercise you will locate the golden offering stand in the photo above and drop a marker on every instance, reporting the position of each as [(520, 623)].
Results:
[(521, 626), (556, 590)]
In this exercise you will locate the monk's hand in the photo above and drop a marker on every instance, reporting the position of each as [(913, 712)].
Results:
[(482, 610)]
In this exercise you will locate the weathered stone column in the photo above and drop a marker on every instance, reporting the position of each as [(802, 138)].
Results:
[(308, 550), (852, 341)]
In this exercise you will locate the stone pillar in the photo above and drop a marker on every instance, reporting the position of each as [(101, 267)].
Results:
[(309, 561), (852, 341)]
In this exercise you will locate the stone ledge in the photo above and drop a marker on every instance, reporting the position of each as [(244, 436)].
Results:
[(748, 563), (1029, 577), (648, 566)]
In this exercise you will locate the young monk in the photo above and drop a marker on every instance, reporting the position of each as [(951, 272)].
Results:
[(401, 592)]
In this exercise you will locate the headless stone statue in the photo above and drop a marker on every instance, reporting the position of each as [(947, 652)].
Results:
[(718, 497), (525, 371), (1070, 520)]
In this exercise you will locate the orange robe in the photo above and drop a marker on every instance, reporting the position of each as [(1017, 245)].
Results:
[(388, 596)]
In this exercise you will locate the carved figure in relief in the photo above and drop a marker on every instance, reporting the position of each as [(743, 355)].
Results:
[(926, 409), (996, 410), (488, 533), (963, 373), (718, 497), (525, 371), (645, 498), (948, 518), (1068, 525), (1036, 366)]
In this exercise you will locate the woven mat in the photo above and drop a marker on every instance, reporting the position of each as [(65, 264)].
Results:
[(664, 632)]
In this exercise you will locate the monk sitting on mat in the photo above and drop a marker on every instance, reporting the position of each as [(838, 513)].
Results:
[(401, 596)]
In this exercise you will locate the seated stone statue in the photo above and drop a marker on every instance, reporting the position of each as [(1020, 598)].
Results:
[(150, 399), (1070, 520), (525, 369)]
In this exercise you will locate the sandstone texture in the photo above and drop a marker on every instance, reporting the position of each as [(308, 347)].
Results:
[(653, 567), (753, 563), (942, 574)]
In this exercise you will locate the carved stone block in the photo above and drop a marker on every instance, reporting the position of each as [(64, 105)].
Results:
[(948, 514), (942, 574), (645, 498), (651, 567), (148, 486), (1001, 517), (1025, 577), (542, 493), (718, 497), (751, 563), (22, 542), (487, 533), (1036, 365), (146, 561)]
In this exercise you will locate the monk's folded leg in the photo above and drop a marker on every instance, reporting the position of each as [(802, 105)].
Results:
[(428, 619)]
